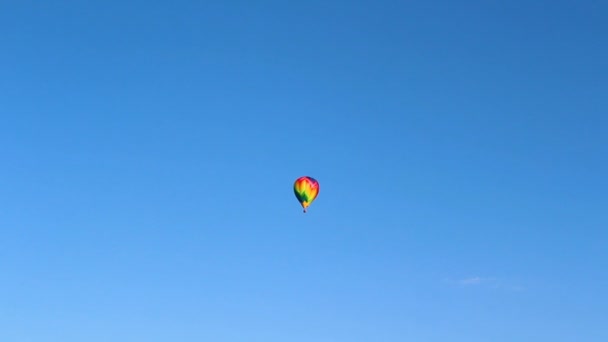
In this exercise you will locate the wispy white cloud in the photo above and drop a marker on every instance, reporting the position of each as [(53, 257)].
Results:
[(471, 281), (484, 281)]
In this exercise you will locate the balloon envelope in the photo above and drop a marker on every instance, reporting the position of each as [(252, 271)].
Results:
[(306, 190)]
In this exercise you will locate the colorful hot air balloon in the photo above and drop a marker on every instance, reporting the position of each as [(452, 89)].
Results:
[(306, 190)]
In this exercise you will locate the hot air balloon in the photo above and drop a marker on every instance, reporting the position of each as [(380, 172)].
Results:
[(306, 190)]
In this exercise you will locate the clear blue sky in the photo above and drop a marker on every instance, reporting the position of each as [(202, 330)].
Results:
[(149, 150)]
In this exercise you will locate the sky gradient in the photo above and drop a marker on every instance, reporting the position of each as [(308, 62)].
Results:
[(149, 150)]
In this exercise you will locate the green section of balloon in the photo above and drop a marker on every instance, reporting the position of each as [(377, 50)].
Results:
[(306, 190)]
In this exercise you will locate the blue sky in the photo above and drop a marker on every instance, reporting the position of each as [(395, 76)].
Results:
[(149, 150)]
